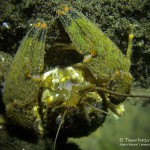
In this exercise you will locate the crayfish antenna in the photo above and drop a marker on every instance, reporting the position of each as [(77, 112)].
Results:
[(61, 123), (114, 114), (98, 109), (120, 94), (105, 112)]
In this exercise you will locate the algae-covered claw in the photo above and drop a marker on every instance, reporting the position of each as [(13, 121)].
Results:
[(21, 92), (108, 65)]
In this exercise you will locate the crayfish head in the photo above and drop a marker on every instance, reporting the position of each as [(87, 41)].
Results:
[(120, 83)]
